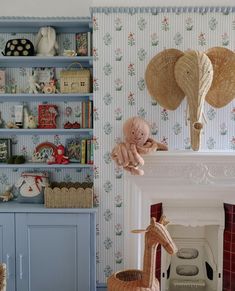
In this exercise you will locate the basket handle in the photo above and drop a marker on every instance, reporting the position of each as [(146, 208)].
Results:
[(75, 63)]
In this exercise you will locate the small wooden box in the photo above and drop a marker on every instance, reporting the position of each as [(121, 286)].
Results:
[(69, 195), (75, 80)]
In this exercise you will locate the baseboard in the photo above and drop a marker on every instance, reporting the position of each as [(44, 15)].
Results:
[(101, 287)]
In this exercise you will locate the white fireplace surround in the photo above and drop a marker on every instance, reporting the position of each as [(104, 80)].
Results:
[(184, 182)]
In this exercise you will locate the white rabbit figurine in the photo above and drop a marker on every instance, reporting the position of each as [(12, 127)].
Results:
[(45, 43)]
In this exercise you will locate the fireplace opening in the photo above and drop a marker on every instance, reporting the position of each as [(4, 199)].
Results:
[(196, 265)]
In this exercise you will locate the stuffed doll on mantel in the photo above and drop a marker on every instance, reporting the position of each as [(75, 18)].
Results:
[(137, 142)]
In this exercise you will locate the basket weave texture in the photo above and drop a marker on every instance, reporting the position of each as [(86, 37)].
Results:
[(75, 80), (69, 195), (2, 277)]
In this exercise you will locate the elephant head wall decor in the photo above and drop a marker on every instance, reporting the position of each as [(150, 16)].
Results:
[(171, 75)]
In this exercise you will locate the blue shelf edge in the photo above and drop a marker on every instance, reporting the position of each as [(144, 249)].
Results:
[(7, 97), (37, 61), (43, 165), (6, 131)]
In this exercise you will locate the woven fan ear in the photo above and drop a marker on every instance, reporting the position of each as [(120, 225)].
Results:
[(222, 90), (160, 79)]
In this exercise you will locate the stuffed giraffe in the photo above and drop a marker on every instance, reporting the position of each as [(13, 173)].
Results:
[(137, 280)]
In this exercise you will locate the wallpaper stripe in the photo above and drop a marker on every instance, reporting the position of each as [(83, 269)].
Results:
[(125, 39)]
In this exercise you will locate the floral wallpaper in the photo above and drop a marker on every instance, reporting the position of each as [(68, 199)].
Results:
[(123, 45)]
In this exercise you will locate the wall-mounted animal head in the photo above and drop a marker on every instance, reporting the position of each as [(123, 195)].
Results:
[(171, 75)]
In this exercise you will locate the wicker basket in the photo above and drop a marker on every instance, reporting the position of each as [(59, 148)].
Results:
[(69, 195), (73, 80)]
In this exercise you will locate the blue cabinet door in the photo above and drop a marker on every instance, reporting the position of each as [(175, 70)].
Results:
[(53, 252), (7, 247)]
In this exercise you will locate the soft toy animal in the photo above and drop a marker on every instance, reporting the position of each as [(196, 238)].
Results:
[(137, 142), (58, 156), (45, 43)]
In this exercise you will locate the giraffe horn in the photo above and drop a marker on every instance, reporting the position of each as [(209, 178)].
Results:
[(163, 220)]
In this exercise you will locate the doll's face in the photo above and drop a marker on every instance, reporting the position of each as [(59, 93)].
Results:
[(136, 131)]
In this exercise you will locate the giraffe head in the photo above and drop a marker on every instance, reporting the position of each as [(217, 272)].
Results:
[(156, 233)]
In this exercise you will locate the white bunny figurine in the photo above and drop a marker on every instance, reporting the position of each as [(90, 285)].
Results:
[(45, 42)]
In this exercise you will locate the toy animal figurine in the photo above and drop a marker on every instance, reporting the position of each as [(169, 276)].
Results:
[(58, 156), (7, 195), (137, 280), (32, 123), (33, 85), (45, 43), (11, 124), (137, 142)]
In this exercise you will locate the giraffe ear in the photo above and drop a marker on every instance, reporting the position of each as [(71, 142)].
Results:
[(139, 231), (163, 220)]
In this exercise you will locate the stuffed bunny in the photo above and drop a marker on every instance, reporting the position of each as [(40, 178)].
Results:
[(45, 43), (137, 142)]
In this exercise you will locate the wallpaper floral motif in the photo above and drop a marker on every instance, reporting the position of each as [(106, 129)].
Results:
[(124, 43)]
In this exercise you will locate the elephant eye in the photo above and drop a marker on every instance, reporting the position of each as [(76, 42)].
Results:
[(133, 132), (187, 72)]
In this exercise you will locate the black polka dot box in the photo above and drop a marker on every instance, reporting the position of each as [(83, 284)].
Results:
[(19, 47)]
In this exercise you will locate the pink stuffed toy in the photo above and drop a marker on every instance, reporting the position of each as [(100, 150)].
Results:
[(137, 142)]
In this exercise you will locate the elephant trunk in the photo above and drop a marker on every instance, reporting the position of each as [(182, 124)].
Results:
[(194, 74), (196, 105)]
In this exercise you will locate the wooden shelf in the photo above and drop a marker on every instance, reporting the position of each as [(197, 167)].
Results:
[(62, 131), (36, 61), (44, 165), (6, 97)]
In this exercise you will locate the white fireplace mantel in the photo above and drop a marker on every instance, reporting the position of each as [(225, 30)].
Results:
[(183, 179)]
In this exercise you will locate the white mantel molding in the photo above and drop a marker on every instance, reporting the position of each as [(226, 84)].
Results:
[(200, 180)]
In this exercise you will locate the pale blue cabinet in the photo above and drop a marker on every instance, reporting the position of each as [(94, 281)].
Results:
[(49, 251), (7, 247)]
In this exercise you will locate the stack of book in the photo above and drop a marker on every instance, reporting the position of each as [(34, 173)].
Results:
[(87, 155), (87, 114)]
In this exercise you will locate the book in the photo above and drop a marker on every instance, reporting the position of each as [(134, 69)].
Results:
[(88, 151), (82, 44), (83, 151)]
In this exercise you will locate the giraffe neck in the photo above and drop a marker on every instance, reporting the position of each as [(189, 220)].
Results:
[(149, 266)]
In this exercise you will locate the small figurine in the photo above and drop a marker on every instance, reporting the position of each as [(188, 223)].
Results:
[(69, 53), (58, 156), (7, 195), (50, 88), (31, 123), (1, 121), (11, 124), (33, 85)]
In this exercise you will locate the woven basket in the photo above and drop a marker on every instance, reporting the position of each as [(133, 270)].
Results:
[(69, 195), (73, 80), (2, 277)]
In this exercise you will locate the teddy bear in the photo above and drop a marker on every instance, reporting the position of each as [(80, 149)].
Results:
[(137, 142)]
